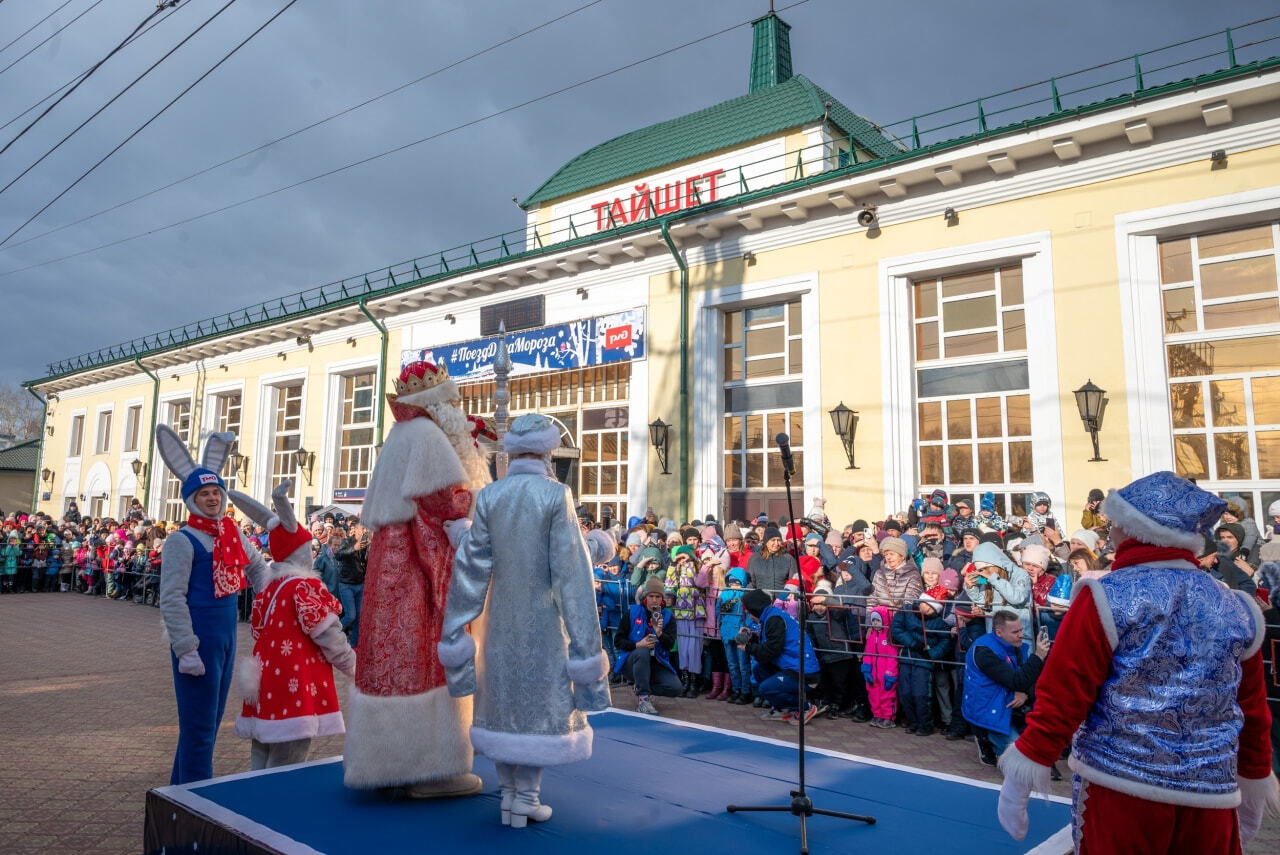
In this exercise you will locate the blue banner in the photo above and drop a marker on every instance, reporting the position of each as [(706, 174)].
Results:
[(578, 344)]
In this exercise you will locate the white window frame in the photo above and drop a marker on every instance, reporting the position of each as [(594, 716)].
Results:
[(131, 445), (707, 489), (1138, 269), (898, 368), (101, 441), (74, 452)]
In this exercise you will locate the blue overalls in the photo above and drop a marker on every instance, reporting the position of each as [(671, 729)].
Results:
[(202, 700)]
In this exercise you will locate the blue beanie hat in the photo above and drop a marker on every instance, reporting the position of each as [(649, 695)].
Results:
[(201, 478)]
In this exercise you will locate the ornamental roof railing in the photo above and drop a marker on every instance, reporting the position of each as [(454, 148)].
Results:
[(1221, 55)]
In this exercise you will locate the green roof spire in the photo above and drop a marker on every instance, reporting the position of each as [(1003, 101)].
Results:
[(770, 51)]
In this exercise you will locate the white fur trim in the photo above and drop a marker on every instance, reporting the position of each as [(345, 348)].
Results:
[(289, 729), (588, 670), (533, 749), (326, 622), (1151, 792), (1103, 607), (455, 653), (1259, 624), (397, 740), (1138, 525), (1266, 790), (1024, 771), (529, 466), (249, 678), (417, 459), (542, 441), (437, 394)]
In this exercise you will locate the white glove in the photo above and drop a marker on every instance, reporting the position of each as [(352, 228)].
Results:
[(1012, 809), (1256, 796), (191, 663), (455, 529)]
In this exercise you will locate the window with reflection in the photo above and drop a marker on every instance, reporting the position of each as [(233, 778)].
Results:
[(762, 352), (358, 422), (973, 402), (1221, 300)]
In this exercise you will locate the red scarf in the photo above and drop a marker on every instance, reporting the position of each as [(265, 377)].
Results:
[(1134, 552), (229, 558)]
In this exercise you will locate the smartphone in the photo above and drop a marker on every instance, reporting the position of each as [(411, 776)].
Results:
[(1043, 634), (869, 533)]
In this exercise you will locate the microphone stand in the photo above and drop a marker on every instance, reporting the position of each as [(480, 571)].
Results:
[(801, 805)]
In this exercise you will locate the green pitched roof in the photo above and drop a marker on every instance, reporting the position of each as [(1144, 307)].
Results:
[(788, 105), (21, 456)]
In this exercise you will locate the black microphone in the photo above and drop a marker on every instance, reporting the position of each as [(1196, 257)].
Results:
[(784, 445)]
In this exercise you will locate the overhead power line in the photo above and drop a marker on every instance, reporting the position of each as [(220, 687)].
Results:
[(159, 8), (33, 26), (303, 129), (45, 40), (155, 116), (391, 151)]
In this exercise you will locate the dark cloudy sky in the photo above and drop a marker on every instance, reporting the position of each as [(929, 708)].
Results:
[(887, 61)]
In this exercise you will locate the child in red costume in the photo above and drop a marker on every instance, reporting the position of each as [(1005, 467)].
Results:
[(1157, 672)]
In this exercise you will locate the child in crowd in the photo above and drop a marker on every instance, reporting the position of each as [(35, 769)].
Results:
[(924, 638), (713, 556), (731, 613), (12, 552), (880, 669), (689, 611)]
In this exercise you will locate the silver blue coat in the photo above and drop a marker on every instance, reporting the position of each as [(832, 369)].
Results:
[(541, 667)]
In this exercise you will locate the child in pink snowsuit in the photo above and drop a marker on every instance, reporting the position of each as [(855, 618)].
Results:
[(880, 668)]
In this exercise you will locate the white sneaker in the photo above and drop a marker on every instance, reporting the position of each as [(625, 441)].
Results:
[(644, 705)]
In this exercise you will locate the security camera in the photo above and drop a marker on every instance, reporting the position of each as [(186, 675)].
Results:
[(867, 215)]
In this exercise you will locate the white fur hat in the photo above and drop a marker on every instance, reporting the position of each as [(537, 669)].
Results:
[(532, 433)]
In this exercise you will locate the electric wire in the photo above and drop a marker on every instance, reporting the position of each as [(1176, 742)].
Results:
[(76, 77), (114, 98), (383, 154), (159, 8), (303, 129), (155, 116), (33, 26), (46, 39)]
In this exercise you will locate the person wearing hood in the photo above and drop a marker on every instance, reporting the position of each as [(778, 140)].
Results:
[(1158, 684), (994, 582), (729, 607), (645, 642), (1226, 561), (205, 566)]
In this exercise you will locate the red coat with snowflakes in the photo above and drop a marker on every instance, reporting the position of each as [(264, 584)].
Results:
[(296, 697)]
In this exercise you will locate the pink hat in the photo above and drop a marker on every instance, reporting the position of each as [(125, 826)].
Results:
[(931, 563), (950, 580), (1035, 554)]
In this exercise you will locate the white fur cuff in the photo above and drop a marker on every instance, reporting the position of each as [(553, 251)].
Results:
[(586, 670), (455, 653), (1026, 772)]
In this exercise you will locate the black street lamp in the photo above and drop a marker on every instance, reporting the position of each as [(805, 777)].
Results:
[(845, 422), (306, 461), (1092, 403), (659, 435), (137, 466)]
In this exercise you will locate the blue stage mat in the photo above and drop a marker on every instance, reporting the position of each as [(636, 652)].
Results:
[(650, 783)]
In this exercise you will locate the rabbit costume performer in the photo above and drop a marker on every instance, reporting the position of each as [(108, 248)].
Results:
[(288, 686), (204, 566), (543, 666), (403, 727)]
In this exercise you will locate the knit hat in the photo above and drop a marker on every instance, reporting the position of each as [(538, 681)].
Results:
[(1163, 509), (688, 532), (531, 433), (771, 532), (1037, 555), (650, 554), (1088, 537), (635, 540), (975, 533), (709, 531), (732, 532), (823, 589), (653, 585), (834, 541), (892, 524), (930, 563), (988, 502), (1095, 495), (1236, 530), (812, 537), (737, 574), (818, 511), (761, 519), (938, 497), (756, 601), (894, 544), (949, 579), (992, 537)]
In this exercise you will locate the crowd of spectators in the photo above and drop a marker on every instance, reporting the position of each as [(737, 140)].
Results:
[(901, 614)]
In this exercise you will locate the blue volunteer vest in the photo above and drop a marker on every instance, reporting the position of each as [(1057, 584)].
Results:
[(789, 660)]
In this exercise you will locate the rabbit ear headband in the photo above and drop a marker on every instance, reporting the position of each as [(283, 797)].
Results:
[(175, 456)]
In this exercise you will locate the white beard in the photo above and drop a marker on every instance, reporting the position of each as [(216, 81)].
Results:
[(450, 419)]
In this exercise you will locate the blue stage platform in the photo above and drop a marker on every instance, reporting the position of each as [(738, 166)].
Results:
[(651, 783)]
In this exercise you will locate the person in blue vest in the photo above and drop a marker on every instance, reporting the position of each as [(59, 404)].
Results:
[(204, 566), (1000, 673), (643, 645), (781, 656)]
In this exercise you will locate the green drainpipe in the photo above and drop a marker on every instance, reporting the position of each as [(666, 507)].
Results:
[(382, 364), (684, 370), (44, 417), (151, 434)]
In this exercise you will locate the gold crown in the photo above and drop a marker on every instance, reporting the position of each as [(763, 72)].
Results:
[(420, 376)]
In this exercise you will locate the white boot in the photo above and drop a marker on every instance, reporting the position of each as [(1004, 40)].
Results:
[(507, 787), (526, 805)]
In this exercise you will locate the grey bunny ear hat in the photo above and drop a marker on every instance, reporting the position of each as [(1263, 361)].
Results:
[(179, 461)]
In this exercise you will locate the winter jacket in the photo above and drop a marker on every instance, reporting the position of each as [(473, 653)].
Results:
[(771, 574), (896, 588), (1010, 591), (993, 671), (923, 641), (880, 665)]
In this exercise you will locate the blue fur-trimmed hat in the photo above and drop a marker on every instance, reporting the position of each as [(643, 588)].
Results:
[(201, 478), (1163, 509)]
